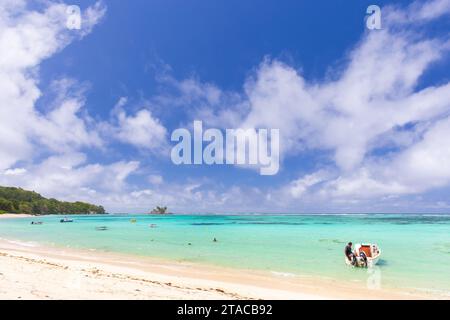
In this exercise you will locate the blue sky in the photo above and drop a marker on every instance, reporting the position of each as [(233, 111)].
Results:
[(362, 114)]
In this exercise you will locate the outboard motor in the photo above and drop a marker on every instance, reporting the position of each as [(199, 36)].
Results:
[(363, 257)]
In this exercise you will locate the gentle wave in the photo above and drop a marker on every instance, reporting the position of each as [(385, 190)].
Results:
[(29, 244), (283, 274)]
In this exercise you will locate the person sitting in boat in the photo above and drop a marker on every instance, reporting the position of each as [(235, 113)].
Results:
[(349, 252)]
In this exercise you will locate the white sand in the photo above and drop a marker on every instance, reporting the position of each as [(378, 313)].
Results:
[(14, 215)]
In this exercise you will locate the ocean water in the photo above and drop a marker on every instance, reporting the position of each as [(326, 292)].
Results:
[(415, 248)]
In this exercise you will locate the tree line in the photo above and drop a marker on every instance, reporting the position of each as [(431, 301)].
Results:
[(17, 200)]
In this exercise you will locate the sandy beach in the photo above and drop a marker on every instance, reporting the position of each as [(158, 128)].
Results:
[(14, 215), (30, 271)]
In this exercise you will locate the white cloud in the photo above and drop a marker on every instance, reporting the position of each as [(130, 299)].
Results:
[(70, 177), (193, 100), (66, 126), (418, 11), (26, 39), (297, 188), (365, 107), (15, 172), (49, 142), (155, 179), (92, 16), (373, 96), (141, 130)]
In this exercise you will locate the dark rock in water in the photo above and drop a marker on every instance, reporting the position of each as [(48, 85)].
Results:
[(159, 210)]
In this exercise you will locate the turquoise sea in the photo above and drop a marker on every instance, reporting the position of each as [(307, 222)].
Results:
[(415, 248)]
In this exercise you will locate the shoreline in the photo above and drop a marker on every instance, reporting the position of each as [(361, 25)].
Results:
[(15, 215), (32, 271)]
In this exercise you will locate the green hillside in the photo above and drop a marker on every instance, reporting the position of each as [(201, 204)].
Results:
[(17, 200)]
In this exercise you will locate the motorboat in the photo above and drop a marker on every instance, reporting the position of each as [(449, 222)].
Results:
[(65, 220), (366, 255), (102, 228)]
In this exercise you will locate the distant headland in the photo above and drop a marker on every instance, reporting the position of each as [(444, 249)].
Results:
[(20, 201)]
